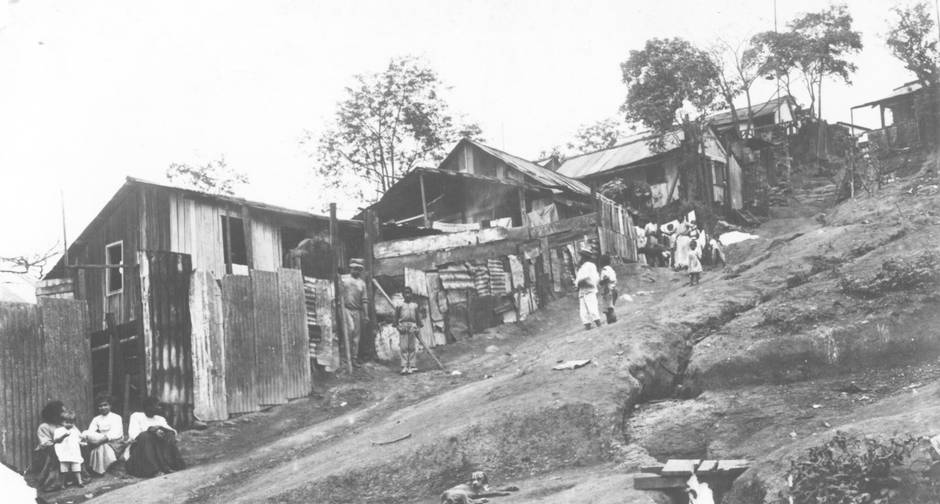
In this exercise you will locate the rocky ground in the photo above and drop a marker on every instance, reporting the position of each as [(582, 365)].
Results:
[(827, 322)]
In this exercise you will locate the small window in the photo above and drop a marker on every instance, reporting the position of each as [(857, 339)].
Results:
[(234, 248), (290, 238), (114, 255), (719, 173), (655, 175)]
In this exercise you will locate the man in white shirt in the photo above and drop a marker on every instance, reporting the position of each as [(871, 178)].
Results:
[(104, 436), (586, 279)]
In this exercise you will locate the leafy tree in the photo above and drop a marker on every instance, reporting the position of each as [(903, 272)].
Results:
[(778, 54), (739, 66), (665, 76), (817, 46), (388, 121), (594, 137), (912, 40), (672, 83), (214, 177)]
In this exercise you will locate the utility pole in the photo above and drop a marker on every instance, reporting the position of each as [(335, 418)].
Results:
[(65, 242)]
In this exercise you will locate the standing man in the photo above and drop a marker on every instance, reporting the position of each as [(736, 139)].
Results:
[(355, 300), (586, 280)]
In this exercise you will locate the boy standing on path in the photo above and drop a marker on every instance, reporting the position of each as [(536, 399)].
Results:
[(408, 320)]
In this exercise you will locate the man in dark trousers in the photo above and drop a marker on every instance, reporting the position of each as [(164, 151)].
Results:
[(355, 301)]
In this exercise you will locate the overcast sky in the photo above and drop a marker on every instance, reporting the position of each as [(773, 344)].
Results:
[(93, 91)]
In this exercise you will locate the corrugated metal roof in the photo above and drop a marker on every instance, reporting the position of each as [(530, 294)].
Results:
[(760, 109), (538, 173), (898, 92), (636, 149)]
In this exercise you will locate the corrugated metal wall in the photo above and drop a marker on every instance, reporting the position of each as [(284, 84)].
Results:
[(205, 308), (44, 355), (265, 339), (165, 278)]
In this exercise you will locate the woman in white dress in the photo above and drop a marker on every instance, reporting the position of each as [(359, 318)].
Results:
[(105, 437)]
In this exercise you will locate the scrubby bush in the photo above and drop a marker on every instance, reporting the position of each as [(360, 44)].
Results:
[(848, 470)]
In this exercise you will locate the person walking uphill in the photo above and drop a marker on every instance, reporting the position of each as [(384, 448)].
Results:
[(408, 320), (587, 279), (355, 300)]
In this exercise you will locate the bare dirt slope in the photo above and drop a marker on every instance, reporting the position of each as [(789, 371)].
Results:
[(749, 363)]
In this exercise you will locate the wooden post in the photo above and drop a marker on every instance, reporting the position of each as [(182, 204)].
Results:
[(125, 408), (246, 226), (424, 202), (113, 342), (337, 287), (370, 230), (523, 215), (228, 242)]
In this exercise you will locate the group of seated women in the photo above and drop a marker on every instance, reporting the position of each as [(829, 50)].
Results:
[(148, 449)]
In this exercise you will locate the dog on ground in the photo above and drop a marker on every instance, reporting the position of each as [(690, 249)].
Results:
[(474, 492)]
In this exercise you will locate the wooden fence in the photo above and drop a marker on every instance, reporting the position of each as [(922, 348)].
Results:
[(250, 343), (44, 355)]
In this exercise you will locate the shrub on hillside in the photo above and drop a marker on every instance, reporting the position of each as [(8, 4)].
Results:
[(848, 470)]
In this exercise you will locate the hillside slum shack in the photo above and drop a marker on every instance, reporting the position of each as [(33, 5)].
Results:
[(505, 238), (199, 299), (655, 160), (907, 116)]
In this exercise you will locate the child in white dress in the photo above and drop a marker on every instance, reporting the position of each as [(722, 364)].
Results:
[(68, 448)]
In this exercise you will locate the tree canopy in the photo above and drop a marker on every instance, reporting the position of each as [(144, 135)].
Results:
[(816, 46), (214, 177), (738, 67), (912, 40), (387, 122), (665, 77)]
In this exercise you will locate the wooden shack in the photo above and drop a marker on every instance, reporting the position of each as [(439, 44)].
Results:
[(505, 233), (477, 186), (159, 259)]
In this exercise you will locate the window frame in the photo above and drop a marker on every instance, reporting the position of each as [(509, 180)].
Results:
[(109, 271)]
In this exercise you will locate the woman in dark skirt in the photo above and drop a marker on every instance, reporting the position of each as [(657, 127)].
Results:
[(153, 443), (44, 466)]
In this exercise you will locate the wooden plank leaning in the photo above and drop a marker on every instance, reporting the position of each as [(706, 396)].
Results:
[(423, 344)]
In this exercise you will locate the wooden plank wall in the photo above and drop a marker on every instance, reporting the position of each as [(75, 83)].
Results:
[(44, 355), (128, 364), (238, 323), (119, 224), (205, 302), (165, 279)]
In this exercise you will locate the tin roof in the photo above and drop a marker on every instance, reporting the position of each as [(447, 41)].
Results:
[(539, 174), (760, 109), (636, 148)]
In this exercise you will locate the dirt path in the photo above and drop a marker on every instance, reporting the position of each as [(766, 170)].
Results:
[(514, 379)]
